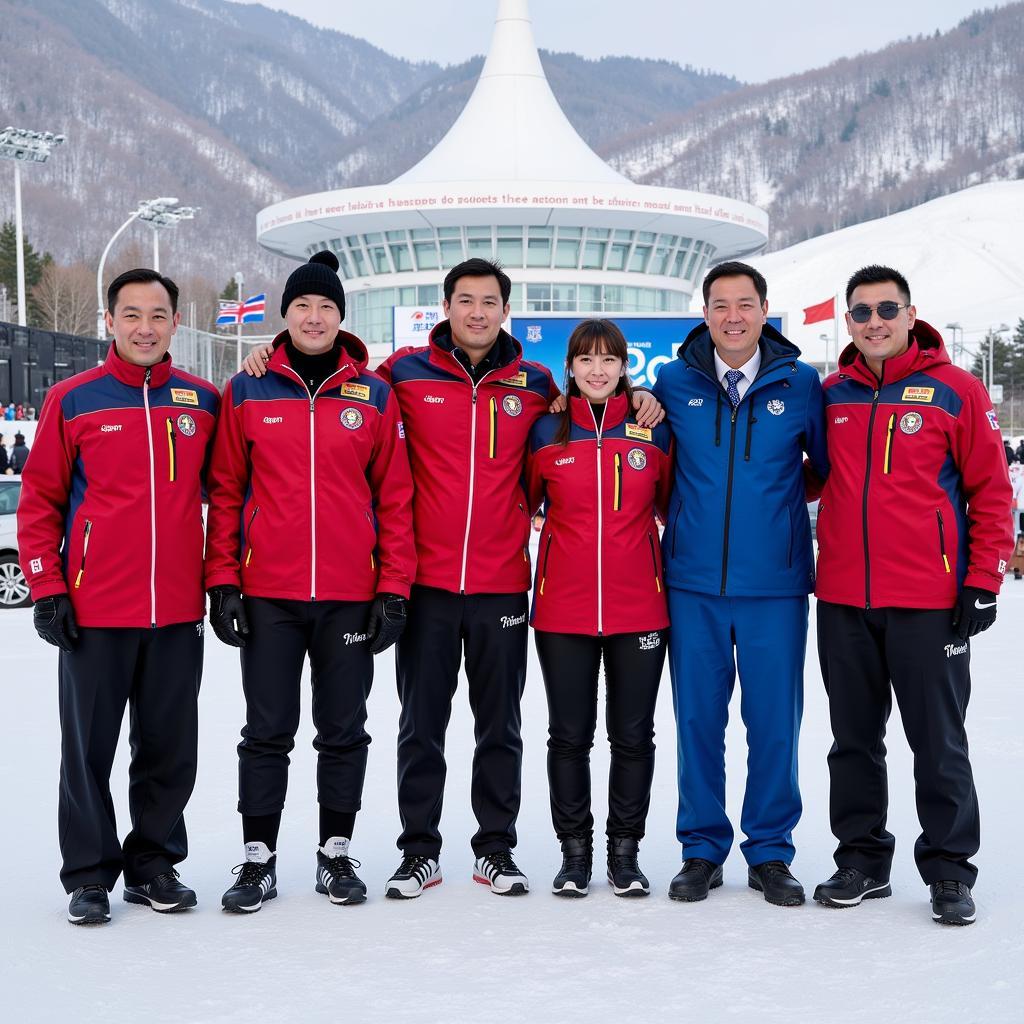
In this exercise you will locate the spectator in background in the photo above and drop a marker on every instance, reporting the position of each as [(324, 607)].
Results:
[(19, 412), (1011, 458), (1020, 450), (19, 453), (30, 413), (9, 412), (4, 463)]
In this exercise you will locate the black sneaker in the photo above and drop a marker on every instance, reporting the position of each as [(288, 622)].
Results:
[(624, 874), (577, 864), (414, 876), (952, 903), (335, 875), (164, 894), (847, 887), (695, 880), (499, 871), (256, 882), (776, 881), (89, 905)]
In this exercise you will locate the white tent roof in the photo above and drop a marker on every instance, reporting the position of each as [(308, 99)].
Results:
[(512, 127)]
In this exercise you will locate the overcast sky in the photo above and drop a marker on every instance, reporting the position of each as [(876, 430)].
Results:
[(750, 39)]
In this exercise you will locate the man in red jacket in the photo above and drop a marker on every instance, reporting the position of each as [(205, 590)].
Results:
[(913, 536), (110, 537)]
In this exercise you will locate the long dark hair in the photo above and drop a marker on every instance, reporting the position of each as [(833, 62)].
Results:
[(602, 337)]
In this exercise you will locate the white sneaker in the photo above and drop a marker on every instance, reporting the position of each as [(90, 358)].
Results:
[(499, 871), (414, 875)]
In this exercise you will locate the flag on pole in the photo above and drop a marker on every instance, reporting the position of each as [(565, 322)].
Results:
[(249, 312), (822, 311)]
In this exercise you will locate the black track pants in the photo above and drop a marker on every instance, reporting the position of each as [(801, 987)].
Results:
[(281, 634), (491, 629), (156, 672), (632, 667), (916, 653)]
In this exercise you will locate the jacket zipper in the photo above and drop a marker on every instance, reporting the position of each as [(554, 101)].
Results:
[(654, 562), (85, 549), (373, 561), (864, 501), (942, 540), (526, 553), (728, 498), (675, 523), (248, 534), (492, 416), (152, 501), (544, 568), (889, 437), (312, 472), (617, 495), (472, 467), (600, 525), (172, 451)]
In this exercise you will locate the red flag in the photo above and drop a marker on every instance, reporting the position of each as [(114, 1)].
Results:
[(822, 311)]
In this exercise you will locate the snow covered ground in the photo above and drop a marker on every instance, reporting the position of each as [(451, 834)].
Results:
[(460, 954), (961, 254)]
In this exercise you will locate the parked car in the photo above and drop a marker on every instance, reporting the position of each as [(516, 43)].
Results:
[(14, 592)]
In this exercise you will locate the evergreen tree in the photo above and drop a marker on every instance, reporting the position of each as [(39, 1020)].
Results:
[(35, 263)]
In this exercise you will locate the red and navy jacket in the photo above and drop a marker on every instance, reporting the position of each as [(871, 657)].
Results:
[(599, 567), (111, 497), (310, 496), (917, 501), (467, 448)]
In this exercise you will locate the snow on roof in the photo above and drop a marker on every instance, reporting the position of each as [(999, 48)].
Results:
[(512, 127)]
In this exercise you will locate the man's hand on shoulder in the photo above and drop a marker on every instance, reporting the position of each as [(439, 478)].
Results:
[(974, 611), (648, 410), (255, 363), (54, 619)]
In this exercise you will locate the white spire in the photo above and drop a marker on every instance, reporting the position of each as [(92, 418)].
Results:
[(512, 127)]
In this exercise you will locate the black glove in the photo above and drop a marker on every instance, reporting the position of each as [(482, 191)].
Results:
[(974, 612), (54, 619), (226, 608), (387, 620)]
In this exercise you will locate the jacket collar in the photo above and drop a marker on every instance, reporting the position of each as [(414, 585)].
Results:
[(698, 350), (615, 411), (505, 354), (133, 375), (926, 350), (352, 357)]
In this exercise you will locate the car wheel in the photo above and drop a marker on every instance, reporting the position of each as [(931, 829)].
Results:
[(14, 592)]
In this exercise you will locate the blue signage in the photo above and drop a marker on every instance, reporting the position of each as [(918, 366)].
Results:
[(653, 341)]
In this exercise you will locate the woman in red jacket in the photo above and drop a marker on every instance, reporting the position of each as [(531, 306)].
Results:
[(599, 594)]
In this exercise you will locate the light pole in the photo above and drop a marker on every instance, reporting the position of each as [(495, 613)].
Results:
[(158, 217), (992, 332), (156, 212), (955, 327), (824, 339), (20, 144)]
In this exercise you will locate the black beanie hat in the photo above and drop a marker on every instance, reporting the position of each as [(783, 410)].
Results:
[(317, 277)]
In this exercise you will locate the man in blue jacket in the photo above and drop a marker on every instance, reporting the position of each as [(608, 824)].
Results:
[(737, 550)]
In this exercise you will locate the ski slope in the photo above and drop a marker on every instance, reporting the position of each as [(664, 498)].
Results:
[(460, 954), (961, 253)]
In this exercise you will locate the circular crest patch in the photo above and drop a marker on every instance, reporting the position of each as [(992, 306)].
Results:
[(512, 404), (776, 406), (636, 458), (351, 418), (186, 424), (911, 422)]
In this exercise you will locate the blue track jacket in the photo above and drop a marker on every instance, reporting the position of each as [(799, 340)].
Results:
[(738, 521)]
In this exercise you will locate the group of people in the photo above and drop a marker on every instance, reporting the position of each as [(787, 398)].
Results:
[(350, 510), (13, 462)]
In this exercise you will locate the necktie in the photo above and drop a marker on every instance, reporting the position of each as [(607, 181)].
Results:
[(732, 378)]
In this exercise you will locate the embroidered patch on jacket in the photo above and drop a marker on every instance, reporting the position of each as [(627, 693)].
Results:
[(638, 433), (636, 458), (911, 422), (918, 394), (184, 397), (186, 424), (351, 418), (512, 404), (992, 421), (776, 406), (516, 381), (350, 390)]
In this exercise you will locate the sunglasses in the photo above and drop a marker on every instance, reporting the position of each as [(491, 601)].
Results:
[(861, 314)]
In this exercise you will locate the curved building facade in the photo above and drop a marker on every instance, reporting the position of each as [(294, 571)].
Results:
[(513, 180)]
